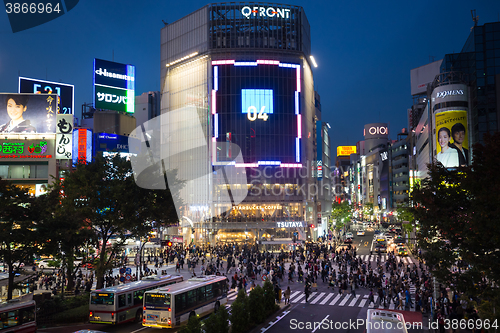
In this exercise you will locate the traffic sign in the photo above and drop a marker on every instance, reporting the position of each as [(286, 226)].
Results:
[(122, 270), (128, 277), (128, 270), (122, 278)]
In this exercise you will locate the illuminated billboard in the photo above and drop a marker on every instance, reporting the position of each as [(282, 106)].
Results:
[(26, 149), (66, 92), (114, 86), (82, 145), (256, 105), (346, 150), (64, 136), (28, 113), (452, 138)]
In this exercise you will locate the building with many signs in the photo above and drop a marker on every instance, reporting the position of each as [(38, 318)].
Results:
[(238, 103)]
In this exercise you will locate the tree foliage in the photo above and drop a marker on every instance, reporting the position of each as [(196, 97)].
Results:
[(104, 198), (458, 212), (18, 241), (239, 313), (218, 322), (342, 212)]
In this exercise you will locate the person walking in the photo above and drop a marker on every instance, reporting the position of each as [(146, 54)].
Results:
[(307, 290), (287, 295)]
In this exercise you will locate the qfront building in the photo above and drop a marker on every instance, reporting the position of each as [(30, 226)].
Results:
[(238, 105)]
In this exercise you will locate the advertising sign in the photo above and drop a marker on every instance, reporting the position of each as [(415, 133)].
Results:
[(114, 86), (64, 136), (346, 150), (27, 149), (177, 239), (376, 130), (263, 119), (28, 113), (65, 92), (421, 76), (82, 145), (111, 142), (452, 138)]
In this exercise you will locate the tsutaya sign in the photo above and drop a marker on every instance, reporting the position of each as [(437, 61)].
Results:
[(265, 11), (299, 224)]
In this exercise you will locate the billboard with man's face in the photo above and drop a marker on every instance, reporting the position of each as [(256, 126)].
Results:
[(28, 113), (452, 138)]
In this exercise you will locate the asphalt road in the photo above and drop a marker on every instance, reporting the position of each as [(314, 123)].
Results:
[(327, 310)]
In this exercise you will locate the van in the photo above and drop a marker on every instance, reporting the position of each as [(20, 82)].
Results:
[(379, 321)]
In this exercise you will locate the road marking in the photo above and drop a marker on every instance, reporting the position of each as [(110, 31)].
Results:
[(326, 298), (344, 300), (297, 299), (335, 300), (294, 294), (317, 298), (363, 302), (320, 323), (140, 329), (354, 301), (273, 323), (310, 296)]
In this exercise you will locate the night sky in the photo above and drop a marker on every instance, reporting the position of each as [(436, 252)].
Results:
[(364, 49)]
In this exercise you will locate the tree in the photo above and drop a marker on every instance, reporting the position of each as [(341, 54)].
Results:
[(458, 212), (269, 298), (17, 230), (104, 197), (193, 325), (258, 314), (217, 322), (342, 212), (62, 233), (239, 313)]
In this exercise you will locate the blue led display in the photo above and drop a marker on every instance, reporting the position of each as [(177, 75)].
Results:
[(257, 98)]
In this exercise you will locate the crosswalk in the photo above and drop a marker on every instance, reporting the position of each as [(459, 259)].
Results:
[(383, 258), (342, 300)]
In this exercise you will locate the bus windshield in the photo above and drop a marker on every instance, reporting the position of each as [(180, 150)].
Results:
[(156, 301), (103, 298)]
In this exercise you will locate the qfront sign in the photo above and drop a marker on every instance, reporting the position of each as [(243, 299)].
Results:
[(299, 224), (255, 11)]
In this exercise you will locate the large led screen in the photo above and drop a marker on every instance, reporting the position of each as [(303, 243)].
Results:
[(28, 113), (65, 92), (256, 105), (452, 142)]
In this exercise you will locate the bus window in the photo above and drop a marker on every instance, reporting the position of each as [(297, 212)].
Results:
[(180, 302), (157, 301), (122, 301), (28, 315), (129, 297), (191, 298), (106, 299), (209, 292), (138, 296), (201, 294)]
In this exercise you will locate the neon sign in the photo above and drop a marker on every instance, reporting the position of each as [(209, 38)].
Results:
[(24, 150), (265, 12)]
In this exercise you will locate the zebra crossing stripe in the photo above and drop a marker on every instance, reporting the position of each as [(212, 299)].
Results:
[(335, 300), (326, 298), (354, 300), (294, 294), (304, 300), (344, 300), (298, 298), (363, 302), (317, 298), (391, 306)]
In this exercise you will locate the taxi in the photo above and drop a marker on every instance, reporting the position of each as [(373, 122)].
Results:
[(402, 251)]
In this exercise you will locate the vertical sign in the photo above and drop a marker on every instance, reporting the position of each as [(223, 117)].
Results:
[(64, 136)]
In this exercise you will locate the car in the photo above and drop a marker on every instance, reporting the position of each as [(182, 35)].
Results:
[(349, 235), (402, 251), (387, 234), (348, 240), (397, 230), (47, 263), (399, 240), (360, 233)]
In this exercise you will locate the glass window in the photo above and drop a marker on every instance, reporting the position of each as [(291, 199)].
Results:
[(192, 299), (98, 298), (129, 298), (201, 294), (122, 301), (138, 296), (4, 171)]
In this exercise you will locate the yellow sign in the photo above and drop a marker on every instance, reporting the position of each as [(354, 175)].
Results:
[(253, 207), (346, 150), (452, 138)]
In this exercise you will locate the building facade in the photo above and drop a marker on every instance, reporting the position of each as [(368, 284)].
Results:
[(236, 77)]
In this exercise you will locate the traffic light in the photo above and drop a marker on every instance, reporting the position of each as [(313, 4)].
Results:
[(169, 243), (312, 226)]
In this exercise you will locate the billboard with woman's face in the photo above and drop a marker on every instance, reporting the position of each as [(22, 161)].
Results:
[(452, 142), (28, 113)]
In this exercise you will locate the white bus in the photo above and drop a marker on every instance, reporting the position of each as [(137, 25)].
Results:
[(18, 316), (384, 321), (123, 303), (173, 306)]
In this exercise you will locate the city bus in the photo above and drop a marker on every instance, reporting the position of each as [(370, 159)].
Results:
[(173, 306), (385, 321), (18, 316), (123, 303)]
